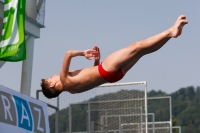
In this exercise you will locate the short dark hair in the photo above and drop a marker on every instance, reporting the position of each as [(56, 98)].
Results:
[(47, 91)]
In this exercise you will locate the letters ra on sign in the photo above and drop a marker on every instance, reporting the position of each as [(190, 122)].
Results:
[(24, 114)]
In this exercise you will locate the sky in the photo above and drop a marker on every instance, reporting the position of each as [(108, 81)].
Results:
[(112, 25)]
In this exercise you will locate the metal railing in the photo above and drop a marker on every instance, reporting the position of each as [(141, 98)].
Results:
[(159, 110), (50, 113)]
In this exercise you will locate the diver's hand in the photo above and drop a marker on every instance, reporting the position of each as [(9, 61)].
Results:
[(96, 53), (89, 54)]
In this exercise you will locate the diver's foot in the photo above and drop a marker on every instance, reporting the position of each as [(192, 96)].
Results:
[(176, 29)]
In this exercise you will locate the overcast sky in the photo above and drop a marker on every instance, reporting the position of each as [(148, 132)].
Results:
[(114, 24)]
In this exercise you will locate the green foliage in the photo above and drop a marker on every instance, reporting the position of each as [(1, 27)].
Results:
[(185, 108), (174, 124)]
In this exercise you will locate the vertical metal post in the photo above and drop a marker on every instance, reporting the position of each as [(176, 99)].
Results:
[(57, 116), (56, 122), (141, 120), (170, 107), (92, 127), (102, 124), (37, 94), (89, 127), (70, 119), (146, 111), (106, 131), (106, 119), (120, 129), (153, 122)]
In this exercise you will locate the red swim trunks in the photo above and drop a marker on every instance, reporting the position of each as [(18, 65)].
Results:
[(110, 76)]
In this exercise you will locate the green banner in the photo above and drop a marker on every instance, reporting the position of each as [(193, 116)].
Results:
[(12, 45)]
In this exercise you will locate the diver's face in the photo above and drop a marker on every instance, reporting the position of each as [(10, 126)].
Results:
[(53, 80)]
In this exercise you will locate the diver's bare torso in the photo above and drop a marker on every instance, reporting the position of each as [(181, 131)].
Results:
[(82, 80)]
